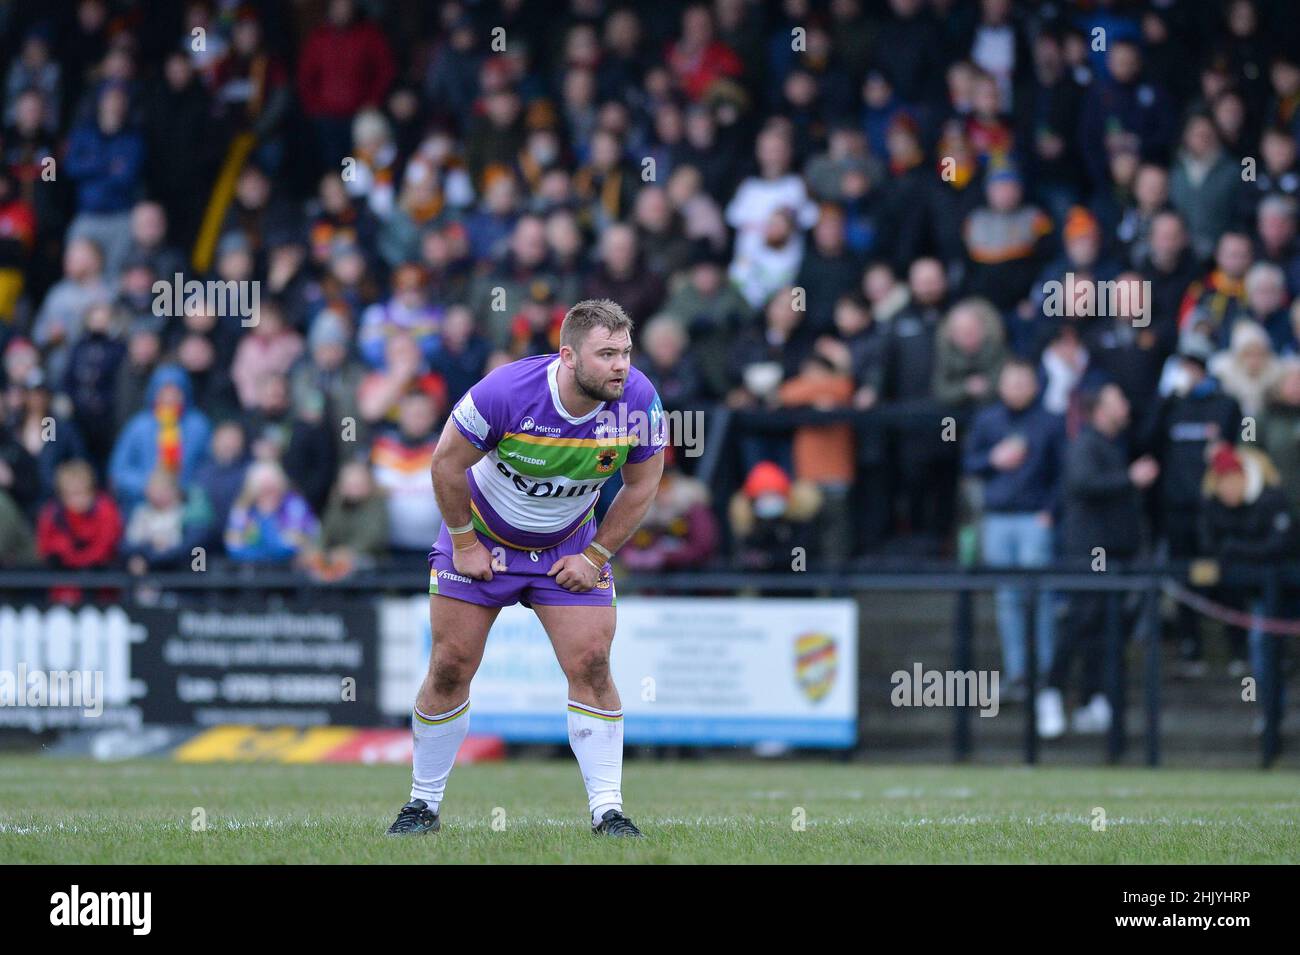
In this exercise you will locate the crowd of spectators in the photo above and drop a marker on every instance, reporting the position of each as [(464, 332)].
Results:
[(836, 205)]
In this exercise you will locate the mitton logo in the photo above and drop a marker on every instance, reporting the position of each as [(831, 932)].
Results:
[(530, 424), (605, 460), (816, 661)]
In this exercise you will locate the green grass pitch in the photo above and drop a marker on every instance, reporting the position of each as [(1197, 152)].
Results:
[(69, 811)]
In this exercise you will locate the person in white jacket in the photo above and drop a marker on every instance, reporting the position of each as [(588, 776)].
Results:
[(775, 187)]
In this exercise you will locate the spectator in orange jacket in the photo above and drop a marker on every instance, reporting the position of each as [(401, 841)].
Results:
[(824, 453)]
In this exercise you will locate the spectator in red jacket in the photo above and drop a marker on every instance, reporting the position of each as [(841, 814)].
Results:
[(82, 527), (699, 58), (346, 64)]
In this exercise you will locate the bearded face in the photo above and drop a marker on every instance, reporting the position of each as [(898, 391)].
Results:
[(601, 365), (598, 383)]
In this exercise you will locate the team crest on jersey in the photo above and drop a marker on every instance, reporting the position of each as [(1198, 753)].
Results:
[(605, 580), (605, 460)]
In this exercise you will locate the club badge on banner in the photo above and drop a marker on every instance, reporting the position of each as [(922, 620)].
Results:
[(691, 671)]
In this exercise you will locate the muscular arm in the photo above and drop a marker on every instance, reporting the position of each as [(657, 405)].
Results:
[(625, 514), (451, 458)]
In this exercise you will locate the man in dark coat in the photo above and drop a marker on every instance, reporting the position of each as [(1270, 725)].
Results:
[(1103, 521), (1183, 433)]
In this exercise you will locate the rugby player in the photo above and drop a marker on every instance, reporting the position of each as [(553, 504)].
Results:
[(517, 480)]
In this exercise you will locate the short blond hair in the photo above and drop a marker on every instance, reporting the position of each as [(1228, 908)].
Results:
[(74, 472), (593, 313)]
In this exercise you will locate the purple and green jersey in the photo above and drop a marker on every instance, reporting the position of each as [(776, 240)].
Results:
[(542, 474)]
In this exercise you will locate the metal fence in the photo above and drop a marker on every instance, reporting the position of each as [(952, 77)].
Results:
[(1271, 585)]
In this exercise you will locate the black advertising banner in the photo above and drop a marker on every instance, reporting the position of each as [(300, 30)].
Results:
[(245, 663)]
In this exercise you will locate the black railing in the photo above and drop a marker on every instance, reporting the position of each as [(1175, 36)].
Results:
[(1269, 582)]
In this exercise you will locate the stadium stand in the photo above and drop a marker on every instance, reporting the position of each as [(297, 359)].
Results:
[(942, 283)]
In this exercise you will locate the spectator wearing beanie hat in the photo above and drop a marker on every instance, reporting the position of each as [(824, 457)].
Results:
[(1080, 264), (1248, 369), (169, 434), (324, 381), (1244, 518), (1004, 241), (769, 515)]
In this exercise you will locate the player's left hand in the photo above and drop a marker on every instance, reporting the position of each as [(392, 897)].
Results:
[(574, 573)]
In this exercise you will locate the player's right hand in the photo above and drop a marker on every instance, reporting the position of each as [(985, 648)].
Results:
[(476, 562)]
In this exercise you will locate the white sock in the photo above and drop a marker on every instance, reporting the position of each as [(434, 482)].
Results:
[(596, 737), (437, 739)]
